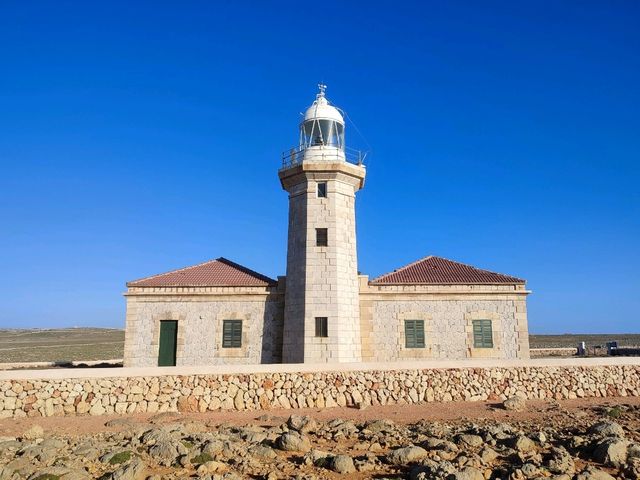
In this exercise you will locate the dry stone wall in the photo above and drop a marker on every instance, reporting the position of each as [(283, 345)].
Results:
[(263, 391)]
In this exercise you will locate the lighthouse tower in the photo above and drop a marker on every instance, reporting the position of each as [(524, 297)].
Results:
[(322, 312)]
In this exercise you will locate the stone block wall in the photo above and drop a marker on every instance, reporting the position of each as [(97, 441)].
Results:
[(200, 312), (263, 391), (448, 312), (322, 281)]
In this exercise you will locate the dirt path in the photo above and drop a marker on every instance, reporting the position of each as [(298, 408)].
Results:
[(537, 411)]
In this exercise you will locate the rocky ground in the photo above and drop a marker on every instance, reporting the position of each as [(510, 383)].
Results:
[(578, 440)]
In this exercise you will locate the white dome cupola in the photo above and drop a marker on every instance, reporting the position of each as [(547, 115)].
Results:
[(323, 124), (322, 136)]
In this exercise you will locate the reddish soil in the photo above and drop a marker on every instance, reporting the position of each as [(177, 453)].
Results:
[(537, 411)]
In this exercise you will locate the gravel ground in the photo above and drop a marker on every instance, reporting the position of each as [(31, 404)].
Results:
[(578, 439)]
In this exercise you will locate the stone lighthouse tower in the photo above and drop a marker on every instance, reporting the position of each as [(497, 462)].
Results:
[(322, 313)]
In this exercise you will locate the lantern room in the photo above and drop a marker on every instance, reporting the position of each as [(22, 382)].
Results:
[(323, 125)]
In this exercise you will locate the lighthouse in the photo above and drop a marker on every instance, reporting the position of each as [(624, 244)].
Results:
[(322, 176)]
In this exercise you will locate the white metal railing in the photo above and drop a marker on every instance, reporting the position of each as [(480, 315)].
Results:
[(296, 155)]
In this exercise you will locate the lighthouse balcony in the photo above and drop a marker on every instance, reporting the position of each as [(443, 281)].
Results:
[(321, 153)]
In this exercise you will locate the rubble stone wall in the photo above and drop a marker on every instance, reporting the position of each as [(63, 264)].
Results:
[(263, 391)]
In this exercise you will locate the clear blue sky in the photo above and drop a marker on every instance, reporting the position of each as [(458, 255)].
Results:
[(139, 137)]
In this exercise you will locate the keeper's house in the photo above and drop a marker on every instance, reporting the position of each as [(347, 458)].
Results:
[(219, 312)]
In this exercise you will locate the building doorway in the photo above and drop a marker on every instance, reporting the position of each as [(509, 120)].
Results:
[(168, 343)]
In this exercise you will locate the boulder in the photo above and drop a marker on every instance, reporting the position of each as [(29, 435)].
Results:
[(470, 440), (523, 444), (515, 403), (134, 470), (302, 424), (594, 474), (560, 461), (293, 442), (611, 452), (342, 464), (607, 428), (468, 473), (405, 455)]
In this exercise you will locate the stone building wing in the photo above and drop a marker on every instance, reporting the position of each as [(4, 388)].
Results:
[(434, 270), (214, 273)]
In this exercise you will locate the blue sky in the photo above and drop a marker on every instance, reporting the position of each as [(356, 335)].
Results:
[(138, 137)]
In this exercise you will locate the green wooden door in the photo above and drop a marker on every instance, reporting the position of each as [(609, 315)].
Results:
[(168, 342)]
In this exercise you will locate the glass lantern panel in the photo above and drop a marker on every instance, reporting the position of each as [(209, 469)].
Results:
[(322, 132)]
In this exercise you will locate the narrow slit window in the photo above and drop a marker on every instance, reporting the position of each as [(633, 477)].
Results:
[(414, 333), (322, 329), (322, 239), (232, 334), (482, 334), (322, 189)]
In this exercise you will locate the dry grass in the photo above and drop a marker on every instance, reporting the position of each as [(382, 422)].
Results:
[(60, 345)]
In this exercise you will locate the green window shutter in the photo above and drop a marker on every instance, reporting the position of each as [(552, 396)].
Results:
[(232, 334), (482, 334), (414, 333), (419, 327)]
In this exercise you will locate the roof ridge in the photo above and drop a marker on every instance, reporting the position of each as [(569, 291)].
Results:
[(246, 270), (479, 269), (393, 275), (172, 271), (405, 267)]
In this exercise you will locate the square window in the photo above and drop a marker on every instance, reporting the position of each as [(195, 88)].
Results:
[(482, 334), (414, 333), (322, 189), (322, 239), (322, 329), (232, 334)]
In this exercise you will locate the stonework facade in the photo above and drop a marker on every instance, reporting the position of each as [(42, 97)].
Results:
[(323, 311), (448, 313), (200, 313), (322, 280)]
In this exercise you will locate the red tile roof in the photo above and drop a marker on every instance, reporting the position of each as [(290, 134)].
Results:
[(214, 273), (440, 271)]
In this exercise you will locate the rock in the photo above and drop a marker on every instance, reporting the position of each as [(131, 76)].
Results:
[(607, 428), (135, 470), (470, 440), (594, 474), (560, 461), (405, 455), (529, 470), (97, 409), (515, 403), (211, 467), (293, 442), (83, 408), (262, 451), (164, 452), (488, 455), (33, 433), (468, 473), (302, 424), (342, 464), (60, 473), (611, 452), (318, 458), (523, 444), (377, 426)]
